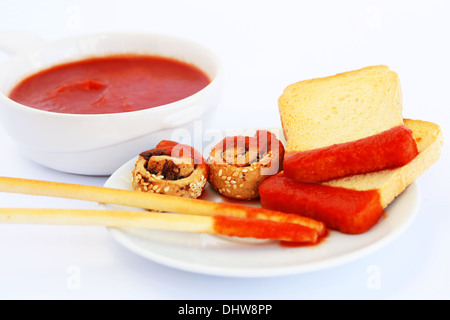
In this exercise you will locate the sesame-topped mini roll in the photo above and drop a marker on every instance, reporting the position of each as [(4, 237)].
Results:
[(239, 164), (171, 168)]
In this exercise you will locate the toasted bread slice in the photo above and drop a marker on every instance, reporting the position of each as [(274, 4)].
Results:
[(349, 106), (354, 204)]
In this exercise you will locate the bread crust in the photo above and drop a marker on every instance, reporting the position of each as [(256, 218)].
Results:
[(237, 182), (160, 171), (145, 181), (241, 180)]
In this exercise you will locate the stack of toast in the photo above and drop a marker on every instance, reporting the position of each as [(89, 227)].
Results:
[(349, 151)]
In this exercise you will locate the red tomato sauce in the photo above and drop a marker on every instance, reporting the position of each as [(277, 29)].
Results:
[(110, 84)]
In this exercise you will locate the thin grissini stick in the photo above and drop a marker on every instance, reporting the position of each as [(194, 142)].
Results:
[(152, 201), (228, 226)]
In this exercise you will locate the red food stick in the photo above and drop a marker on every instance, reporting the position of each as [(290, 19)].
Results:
[(390, 149), (348, 211), (264, 229), (241, 211)]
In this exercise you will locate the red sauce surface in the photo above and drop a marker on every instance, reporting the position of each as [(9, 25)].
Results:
[(345, 210), (388, 150), (110, 84)]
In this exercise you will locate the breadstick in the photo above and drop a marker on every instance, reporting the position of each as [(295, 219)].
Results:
[(228, 226), (108, 218), (152, 201)]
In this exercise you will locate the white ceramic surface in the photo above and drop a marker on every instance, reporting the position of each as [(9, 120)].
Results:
[(99, 144), (239, 257)]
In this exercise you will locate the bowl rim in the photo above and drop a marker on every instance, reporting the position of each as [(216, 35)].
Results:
[(173, 105)]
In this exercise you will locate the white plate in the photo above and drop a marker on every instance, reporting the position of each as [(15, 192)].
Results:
[(223, 256)]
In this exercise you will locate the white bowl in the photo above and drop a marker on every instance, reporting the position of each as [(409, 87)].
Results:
[(98, 144)]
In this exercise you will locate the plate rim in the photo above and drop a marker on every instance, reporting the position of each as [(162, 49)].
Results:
[(123, 239)]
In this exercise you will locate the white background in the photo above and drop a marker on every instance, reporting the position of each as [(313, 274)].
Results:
[(264, 46)]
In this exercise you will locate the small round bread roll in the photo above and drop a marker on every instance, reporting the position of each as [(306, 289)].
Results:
[(239, 164), (171, 168)]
